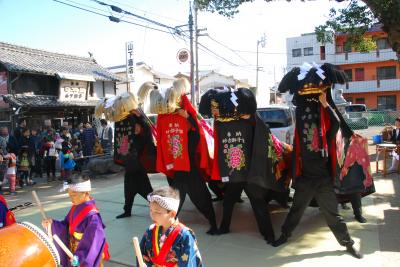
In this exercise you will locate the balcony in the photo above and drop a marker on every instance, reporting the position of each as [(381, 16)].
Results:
[(357, 57), (373, 86)]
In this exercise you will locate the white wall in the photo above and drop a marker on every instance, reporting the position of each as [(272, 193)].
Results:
[(98, 89)]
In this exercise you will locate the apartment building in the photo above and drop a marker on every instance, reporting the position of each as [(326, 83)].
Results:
[(374, 77)]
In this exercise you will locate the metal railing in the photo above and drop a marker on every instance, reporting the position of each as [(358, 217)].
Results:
[(364, 120)]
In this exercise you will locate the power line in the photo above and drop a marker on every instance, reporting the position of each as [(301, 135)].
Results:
[(111, 17), (120, 10), (146, 11), (227, 47), (171, 30)]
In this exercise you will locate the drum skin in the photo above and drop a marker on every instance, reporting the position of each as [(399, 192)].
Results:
[(23, 245)]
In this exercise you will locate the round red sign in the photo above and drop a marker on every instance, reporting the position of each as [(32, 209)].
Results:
[(182, 55)]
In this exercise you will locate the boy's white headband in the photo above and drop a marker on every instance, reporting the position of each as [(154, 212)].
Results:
[(165, 202), (79, 187)]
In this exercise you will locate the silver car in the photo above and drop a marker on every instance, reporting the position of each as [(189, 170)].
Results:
[(280, 120)]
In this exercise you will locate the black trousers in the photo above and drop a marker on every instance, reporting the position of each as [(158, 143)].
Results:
[(355, 200), (192, 183), (136, 182), (322, 189), (50, 163), (257, 196)]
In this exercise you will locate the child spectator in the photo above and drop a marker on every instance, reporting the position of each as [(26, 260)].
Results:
[(82, 230), (3, 166), (11, 170), (24, 167), (167, 242), (67, 162), (78, 158)]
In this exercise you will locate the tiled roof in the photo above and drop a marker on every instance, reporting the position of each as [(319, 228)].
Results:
[(23, 59), (44, 101)]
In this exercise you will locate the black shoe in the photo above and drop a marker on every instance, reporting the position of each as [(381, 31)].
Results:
[(280, 241), (212, 231), (123, 215), (222, 231), (270, 240), (353, 252), (360, 219)]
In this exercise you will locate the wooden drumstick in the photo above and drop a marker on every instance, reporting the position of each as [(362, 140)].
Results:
[(36, 198), (63, 246), (49, 232), (138, 252)]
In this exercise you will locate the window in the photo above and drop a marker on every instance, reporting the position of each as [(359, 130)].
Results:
[(360, 100), (339, 49), (91, 89), (322, 52), (382, 43), (347, 48), (349, 99), (296, 52), (308, 51), (383, 73), (387, 102), (349, 74), (359, 76)]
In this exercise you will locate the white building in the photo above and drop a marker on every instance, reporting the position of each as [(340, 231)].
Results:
[(374, 77)]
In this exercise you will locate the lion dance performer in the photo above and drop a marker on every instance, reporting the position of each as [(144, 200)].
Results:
[(242, 150), (315, 149), (133, 145)]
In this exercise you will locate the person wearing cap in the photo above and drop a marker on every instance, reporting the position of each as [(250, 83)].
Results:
[(82, 230), (168, 242)]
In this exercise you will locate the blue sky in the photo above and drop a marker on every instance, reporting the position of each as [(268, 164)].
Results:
[(45, 24)]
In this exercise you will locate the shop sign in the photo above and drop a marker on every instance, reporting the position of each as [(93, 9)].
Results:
[(73, 90), (130, 63)]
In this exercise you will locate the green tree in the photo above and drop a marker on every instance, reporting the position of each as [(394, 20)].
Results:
[(353, 20)]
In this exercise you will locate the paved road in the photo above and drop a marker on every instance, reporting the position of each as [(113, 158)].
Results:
[(312, 244)]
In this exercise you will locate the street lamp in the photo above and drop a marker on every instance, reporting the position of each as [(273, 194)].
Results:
[(262, 42)]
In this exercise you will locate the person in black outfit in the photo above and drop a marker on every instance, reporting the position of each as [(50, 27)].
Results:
[(315, 180), (136, 180), (18, 132), (395, 139), (192, 182)]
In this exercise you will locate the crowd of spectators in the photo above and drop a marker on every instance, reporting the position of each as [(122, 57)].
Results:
[(29, 153)]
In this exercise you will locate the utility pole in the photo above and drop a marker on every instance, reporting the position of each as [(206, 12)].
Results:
[(192, 85), (198, 34), (262, 42), (196, 38)]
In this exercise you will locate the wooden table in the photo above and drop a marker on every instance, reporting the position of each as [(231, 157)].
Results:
[(387, 149)]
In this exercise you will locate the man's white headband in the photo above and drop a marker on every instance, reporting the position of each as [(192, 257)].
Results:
[(165, 202), (79, 187)]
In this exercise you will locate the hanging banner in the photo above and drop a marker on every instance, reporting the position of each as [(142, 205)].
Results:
[(130, 63), (3, 88)]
